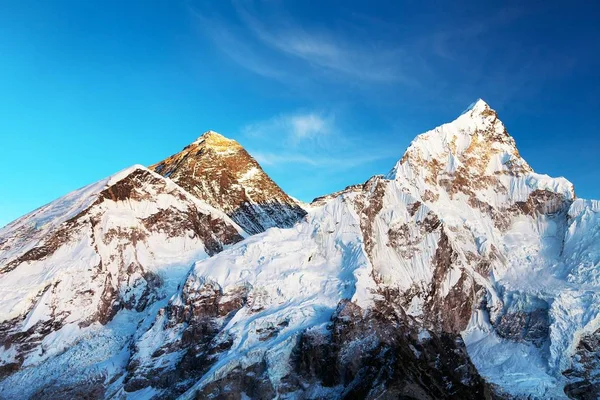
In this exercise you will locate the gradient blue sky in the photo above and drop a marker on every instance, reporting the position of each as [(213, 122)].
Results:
[(323, 94)]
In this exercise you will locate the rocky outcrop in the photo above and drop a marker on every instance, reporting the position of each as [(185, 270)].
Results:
[(367, 354), (198, 315), (532, 326), (584, 374), (373, 354), (221, 173)]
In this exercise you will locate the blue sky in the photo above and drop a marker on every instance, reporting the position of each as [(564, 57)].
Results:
[(323, 94)]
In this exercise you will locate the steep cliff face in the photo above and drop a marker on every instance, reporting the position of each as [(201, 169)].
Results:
[(221, 173), (69, 267)]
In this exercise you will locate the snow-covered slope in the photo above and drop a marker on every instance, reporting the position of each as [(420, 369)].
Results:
[(461, 237), (522, 255), (220, 172), (69, 267), (295, 313), (460, 264)]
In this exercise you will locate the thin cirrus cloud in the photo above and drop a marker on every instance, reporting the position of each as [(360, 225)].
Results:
[(232, 44), (308, 128), (390, 66), (323, 50), (267, 40), (275, 46), (334, 163), (311, 139)]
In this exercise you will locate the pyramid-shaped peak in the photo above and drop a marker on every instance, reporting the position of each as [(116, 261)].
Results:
[(215, 139), (479, 107), (478, 123), (477, 141), (220, 172), (480, 103), (211, 133)]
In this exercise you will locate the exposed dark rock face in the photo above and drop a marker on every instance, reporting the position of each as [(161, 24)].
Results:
[(543, 202), (521, 326), (584, 374), (198, 316), (251, 382), (363, 354), (369, 206), (87, 390), (132, 187), (449, 313), (368, 355), (220, 172)]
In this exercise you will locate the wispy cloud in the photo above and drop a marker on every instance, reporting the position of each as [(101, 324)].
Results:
[(313, 139), (323, 49), (306, 128), (235, 45), (273, 44), (450, 43), (471, 55), (338, 163)]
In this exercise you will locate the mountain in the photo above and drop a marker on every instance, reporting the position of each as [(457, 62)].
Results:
[(112, 249), (460, 262), (221, 173), (461, 274)]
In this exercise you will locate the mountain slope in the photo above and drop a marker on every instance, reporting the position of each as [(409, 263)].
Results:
[(221, 173), (274, 313), (461, 239), (68, 268), (460, 274)]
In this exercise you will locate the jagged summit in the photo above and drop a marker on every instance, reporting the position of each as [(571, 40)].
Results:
[(477, 105), (220, 172), (478, 119), (209, 133), (477, 138), (473, 155)]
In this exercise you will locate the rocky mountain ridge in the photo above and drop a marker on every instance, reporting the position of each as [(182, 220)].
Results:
[(460, 274)]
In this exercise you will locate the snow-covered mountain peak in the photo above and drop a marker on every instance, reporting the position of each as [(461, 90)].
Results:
[(119, 244), (46, 219), (478, 105), (135, 184), (475, 156), (142, 286), (477, 132)]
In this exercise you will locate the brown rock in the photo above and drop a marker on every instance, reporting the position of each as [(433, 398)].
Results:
[(220, 172)]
